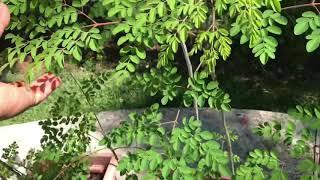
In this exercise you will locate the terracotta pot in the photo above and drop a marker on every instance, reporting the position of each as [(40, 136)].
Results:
[(103, 166)]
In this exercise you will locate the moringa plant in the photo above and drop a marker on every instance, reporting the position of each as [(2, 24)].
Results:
[(56, 31), (301, 142)]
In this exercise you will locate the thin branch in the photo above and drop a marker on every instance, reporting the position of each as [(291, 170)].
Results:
[(82, 13), (190, 71), (176, 120), (318, 154), (126, 147), (312, 4), (213, 23), (112, 164), (197, 69), (228, 141), (85, 15), (12, 169), (101, 24), (79, 158), (87, 99), (317, 9), (315, 146), (169, 122), (97, 119), (93, 137)]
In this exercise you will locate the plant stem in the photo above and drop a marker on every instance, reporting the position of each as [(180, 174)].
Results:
[(169, 122), (190, 71), (228, 141), (176, 120), (87, 99), (126, 147), (85, 15), (78, 158), (97, 119), (312, 4), (213, 23), (81, 12), (318, 148), (315, 146), (101, 24), (12, 169)]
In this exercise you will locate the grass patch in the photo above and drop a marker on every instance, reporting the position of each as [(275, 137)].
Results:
[(263, 93)]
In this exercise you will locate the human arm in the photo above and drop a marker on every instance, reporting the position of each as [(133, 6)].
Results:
[(17, 97)]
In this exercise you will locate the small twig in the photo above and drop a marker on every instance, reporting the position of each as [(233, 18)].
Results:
[(190, 71), (169, 122), (12, 169), (101, 24), (80, 158), (87, 99), (312, 4), (113, 164), (82, 13), (176, 120), (199, 66), (114, 154), (197, 69), (85, 15), (213, 24), (317, 9), (94, 137), (128, 147), (97, 119), (315, 147), (228, 141)]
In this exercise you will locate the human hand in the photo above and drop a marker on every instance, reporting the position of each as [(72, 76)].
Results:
[(17, 97), (4, 17)]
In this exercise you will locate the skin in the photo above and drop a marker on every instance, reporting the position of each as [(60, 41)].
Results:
[(4, 17), (17, 97)]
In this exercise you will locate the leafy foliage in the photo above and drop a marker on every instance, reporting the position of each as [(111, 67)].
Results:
[(10, 156), (255, 164), (162, 81), (206, 92), (93, 84), (301, 142), (287, 134), (187, 147), (309, 22), (138, 129), (54, 32)]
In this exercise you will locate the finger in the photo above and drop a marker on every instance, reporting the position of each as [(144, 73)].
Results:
[(4, 17), (44, 87), (42, 79), (18, 83)]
